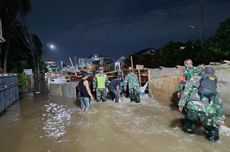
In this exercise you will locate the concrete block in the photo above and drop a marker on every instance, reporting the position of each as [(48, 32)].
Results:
[(64, 89), (69, 89), (55, 89), (225, 95)]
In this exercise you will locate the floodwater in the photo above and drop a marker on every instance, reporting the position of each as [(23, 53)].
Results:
[(54, 124)]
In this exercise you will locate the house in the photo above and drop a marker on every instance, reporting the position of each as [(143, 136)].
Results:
[(51, 66), (148, 51), (84, 62), (101, 60)]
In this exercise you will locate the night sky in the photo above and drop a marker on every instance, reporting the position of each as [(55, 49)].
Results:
[(119, 27)]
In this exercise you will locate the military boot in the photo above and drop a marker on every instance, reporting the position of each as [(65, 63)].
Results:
[(189, 126), (213, 136)]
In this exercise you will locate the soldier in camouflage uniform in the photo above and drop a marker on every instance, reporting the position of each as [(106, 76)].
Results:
[(201, 109), (100, 84), (131, 80)]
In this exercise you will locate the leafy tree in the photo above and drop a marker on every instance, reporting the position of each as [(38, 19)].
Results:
[(217, 47), (172, 54), (11, 11)]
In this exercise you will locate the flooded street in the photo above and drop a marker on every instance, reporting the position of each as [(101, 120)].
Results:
[(55, 124)]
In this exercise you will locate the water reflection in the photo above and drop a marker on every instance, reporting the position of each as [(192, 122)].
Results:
[(55, 119)]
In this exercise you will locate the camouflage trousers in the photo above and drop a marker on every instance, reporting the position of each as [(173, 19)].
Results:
[(134, 95), (205, 119), (101, 95)]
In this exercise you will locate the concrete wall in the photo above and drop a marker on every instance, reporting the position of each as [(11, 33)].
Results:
[(64, 89), (163, 88), (164, 82), (164, 72)]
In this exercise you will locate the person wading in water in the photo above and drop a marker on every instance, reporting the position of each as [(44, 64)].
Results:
[(85, 92)]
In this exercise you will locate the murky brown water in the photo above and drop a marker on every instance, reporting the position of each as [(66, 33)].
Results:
[(48, 124)]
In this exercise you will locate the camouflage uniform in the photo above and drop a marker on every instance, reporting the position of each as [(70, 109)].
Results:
[(100, 84), (200, 109), (131, 80), (187, 74)]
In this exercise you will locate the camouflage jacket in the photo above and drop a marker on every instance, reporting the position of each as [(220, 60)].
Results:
[(132, 80), (190, 99), (188, 73)]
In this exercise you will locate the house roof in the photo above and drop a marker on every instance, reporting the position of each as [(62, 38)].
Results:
[(150, 51)]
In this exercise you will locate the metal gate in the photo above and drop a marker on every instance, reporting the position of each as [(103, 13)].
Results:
[(9, 92)]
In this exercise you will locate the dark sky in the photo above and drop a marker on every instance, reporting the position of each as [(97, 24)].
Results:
[(119, 27)]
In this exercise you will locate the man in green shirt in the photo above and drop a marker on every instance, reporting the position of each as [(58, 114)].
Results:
[(100, 84)]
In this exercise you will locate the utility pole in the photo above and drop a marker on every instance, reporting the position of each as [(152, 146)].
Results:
[(202, 24), (1, 41), (1, 37)]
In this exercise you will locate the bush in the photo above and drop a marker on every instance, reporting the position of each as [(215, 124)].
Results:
[(21, 81)]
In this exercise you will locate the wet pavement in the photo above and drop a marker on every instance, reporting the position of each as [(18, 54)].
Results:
[(55, 124)]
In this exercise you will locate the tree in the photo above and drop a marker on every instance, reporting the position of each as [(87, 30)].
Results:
[(215, 48), (36, 60), (11, 11), (172, 54), (218, 47)]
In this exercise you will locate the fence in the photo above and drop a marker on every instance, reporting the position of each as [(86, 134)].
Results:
[(9, 92)]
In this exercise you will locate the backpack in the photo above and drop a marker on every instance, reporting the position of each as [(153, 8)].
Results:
[(208, 85)]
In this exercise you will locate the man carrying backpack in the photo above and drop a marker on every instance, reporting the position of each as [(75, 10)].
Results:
[(205, 110), (208, 83)]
